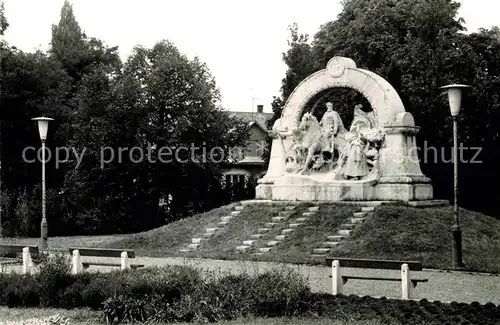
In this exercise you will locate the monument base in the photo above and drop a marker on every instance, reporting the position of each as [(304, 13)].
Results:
[(295, 188)]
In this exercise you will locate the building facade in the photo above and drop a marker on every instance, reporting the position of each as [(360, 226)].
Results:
[(252, 165)]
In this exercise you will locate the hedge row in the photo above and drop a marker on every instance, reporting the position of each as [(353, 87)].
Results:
[(180, 293)]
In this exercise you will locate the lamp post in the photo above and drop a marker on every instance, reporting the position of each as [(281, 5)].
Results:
[(43, 125), (455, 100)]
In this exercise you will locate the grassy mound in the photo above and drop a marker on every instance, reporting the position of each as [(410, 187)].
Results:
[(391, 232), (424, 234)]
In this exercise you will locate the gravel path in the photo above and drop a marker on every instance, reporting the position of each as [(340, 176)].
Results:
[(443, 286)]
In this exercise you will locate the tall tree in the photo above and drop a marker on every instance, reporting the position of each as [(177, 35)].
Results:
[(3, 20), (79, 55), (183, 108), (3, 27), (165, 107)]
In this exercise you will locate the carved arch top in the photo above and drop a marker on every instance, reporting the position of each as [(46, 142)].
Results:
[(343, 72)]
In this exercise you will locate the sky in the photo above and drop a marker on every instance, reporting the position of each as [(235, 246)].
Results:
[(241, 41)]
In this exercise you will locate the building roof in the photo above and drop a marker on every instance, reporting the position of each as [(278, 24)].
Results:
[(260, 118)]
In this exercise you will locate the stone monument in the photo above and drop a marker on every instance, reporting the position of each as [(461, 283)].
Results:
[(374, 160)]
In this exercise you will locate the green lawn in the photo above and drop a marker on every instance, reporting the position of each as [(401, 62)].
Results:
[(391, 232), (423, 234), (86, 317), (77, 316)]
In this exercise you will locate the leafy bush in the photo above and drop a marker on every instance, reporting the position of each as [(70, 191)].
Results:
[(184, 294)]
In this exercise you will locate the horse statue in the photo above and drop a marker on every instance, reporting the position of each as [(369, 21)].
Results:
[(314, 140)]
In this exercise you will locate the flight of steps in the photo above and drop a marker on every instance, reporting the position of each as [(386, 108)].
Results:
[(283, 217), (343, 231), (210, 232)]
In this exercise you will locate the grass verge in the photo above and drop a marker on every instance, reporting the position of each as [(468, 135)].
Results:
[(392, 232), (424, 234), (88, 317)]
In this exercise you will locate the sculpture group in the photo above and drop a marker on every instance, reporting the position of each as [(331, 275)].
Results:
[(328, 146), (319, 159)]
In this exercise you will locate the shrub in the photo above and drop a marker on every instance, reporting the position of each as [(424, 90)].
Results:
[(19, 291), (182, 294), (54, 278)]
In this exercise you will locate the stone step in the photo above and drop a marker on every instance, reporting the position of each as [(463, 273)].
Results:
[(344, 232), (226, 218), (357, 220), (321, 250), (290, 208), (367, 209), (335, 238), (257, 254), (349, 226), (238, 208), (222, 224), (330, 244), (360, 214), (263, 230), (193, 246), (257, 236), (285, 213), (277, 219), (280, 237), (243, 248), (272, 243), (185, 250), (313, 209), (319, 255), (213, 230), (235, 213), (248, 242), (307, 214), (196, 240), (208, 234), (301, 219), (270, 224), (294, 225), (287, 231), (265, 249)]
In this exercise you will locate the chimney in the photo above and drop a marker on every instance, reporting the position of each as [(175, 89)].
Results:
[(260, 108)]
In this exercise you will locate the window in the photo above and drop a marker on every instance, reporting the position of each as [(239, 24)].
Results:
[(235, 179)]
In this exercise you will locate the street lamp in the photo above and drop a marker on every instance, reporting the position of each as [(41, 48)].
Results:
[(43, 125), (455, 100)]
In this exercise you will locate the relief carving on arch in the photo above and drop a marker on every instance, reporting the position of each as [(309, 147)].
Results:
[(327, 146)]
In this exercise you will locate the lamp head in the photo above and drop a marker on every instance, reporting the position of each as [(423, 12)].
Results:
[(43, 126), (455, 97)]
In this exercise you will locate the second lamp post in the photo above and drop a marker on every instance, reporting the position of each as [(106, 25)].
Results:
[(455, 101), (43, 125)]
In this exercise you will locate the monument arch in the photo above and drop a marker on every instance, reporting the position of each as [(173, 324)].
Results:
[(343, 73), (395, 173)]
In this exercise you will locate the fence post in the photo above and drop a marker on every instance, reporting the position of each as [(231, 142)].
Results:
[(27, 263), (406, 285), (125, 265), (336, 278), (76, 262)]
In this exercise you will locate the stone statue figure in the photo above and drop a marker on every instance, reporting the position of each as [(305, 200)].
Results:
[(331, 124), (356, 163), (363, 119)]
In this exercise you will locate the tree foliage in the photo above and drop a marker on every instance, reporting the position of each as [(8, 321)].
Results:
[(3, 20), (157, 101)]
